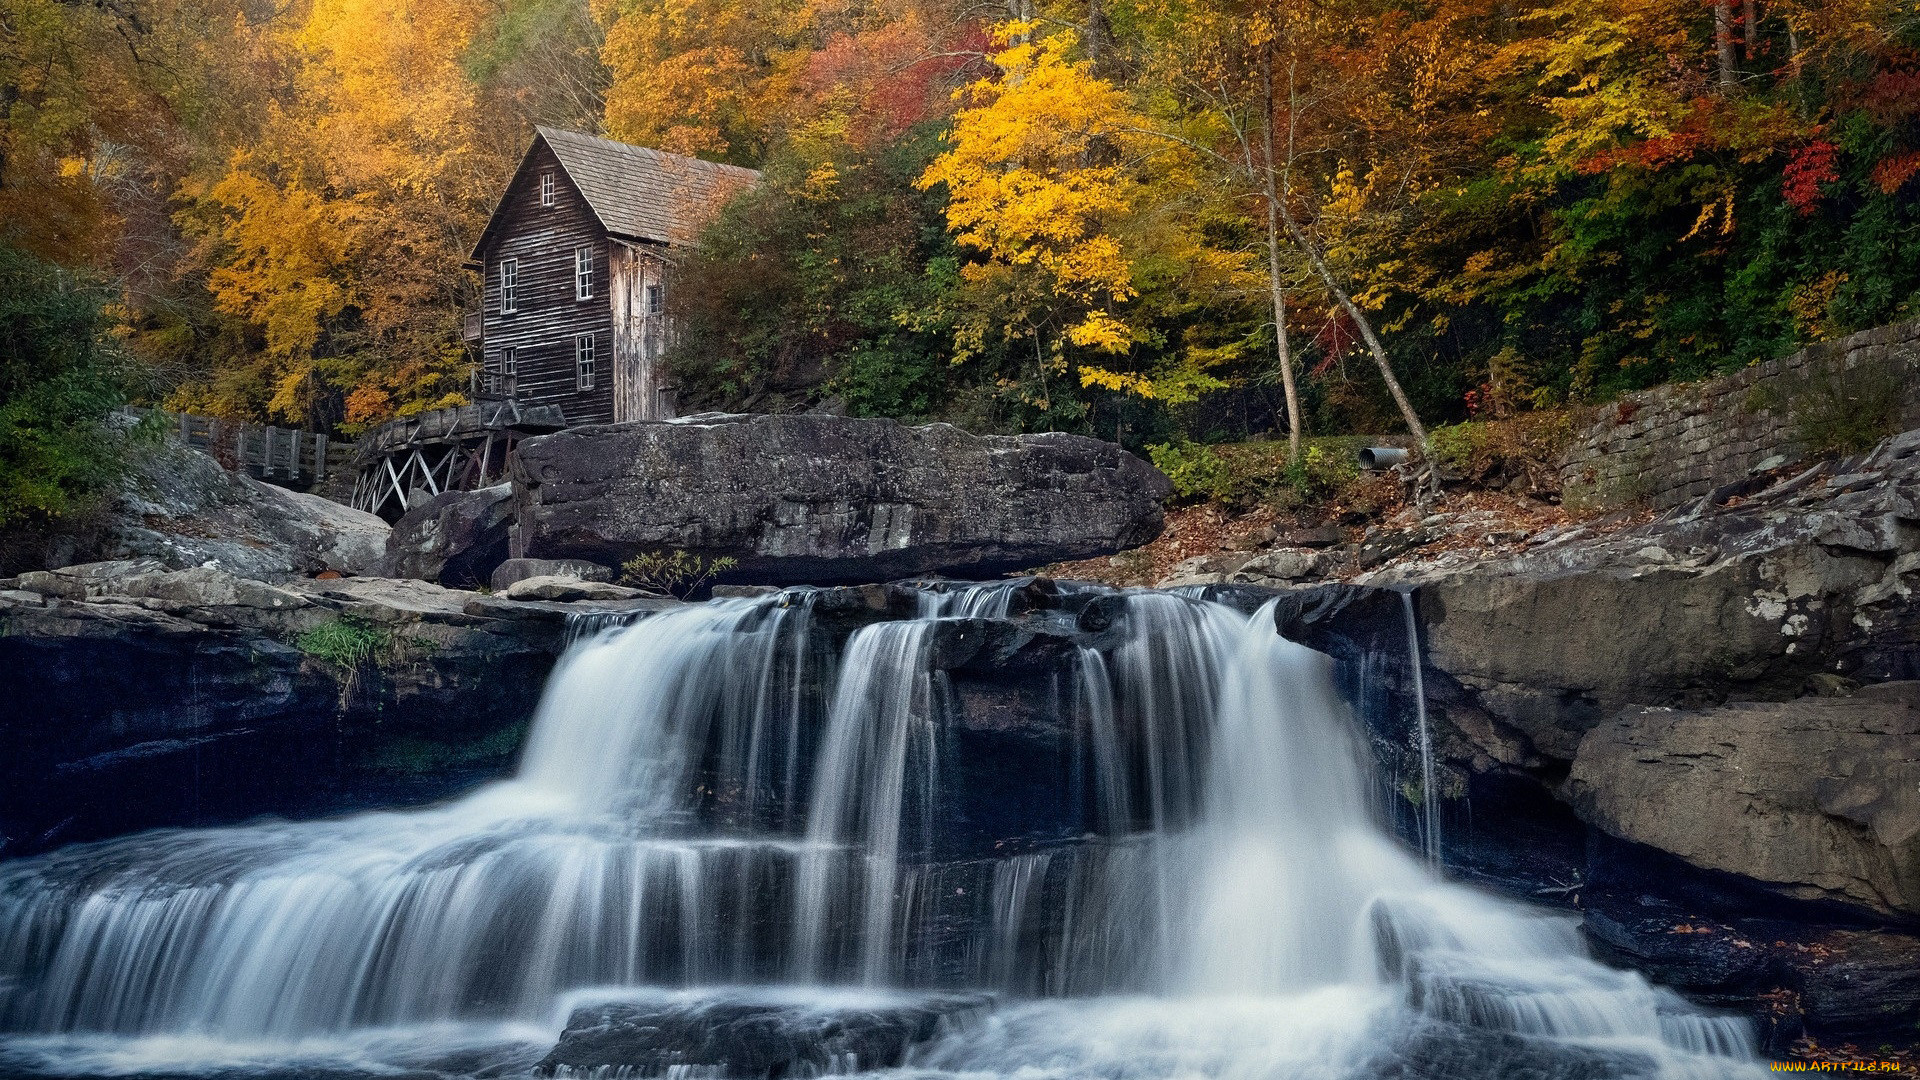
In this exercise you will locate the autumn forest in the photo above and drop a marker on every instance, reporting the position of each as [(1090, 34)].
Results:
[(1151, 220)]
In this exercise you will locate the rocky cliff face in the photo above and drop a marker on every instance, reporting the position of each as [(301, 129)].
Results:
[(144, 697), (824, 499), (1818, 797)]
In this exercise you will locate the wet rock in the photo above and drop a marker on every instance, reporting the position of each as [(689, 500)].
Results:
[(191, 698), (751, 1037), (521, 569), (1818, 799), (1285, 565), (456, 538), (806, 498), (1863, 984), (724, 592), (554, 587), (847, 608), (990, 646)]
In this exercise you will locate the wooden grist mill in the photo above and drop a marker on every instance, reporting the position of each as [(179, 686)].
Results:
[(575, 264)]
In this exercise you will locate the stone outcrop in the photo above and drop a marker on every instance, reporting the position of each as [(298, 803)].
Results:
[(567, 587), (1731, 597), (180, 508), (514, 570), (1818, 798), (143, 697), (457, 538), (822, 499)]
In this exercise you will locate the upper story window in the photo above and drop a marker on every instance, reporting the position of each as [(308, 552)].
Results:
[(656, 299), (546, 188), (509, 286), (510, 360), (583, 361), (583, 272)]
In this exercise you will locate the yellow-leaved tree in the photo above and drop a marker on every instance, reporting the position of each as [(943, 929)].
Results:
[(714, 78), (341, 233), (1052, 180)]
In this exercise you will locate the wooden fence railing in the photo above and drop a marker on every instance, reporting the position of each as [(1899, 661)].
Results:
[(277, 455)]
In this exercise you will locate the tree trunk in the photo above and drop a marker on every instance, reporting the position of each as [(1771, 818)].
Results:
[(1750, 16), (1295, 425), (1723, 43), (1372, 339)]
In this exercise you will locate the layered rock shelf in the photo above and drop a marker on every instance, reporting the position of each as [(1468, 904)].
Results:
[(820, 499)]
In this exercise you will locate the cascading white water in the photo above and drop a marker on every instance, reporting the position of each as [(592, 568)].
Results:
[(706, 798), (1429, 791)]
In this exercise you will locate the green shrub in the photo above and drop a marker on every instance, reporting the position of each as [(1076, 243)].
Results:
[(1242, 475), (60, 378), (1846, 411), (345, 642), (1524, 449)]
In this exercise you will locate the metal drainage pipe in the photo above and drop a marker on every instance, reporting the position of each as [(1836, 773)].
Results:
[(1381, 457)]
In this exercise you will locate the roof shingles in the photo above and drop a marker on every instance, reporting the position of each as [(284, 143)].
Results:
[(644, 194)]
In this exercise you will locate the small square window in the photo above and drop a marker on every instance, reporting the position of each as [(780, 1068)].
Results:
[(546, 188), (583, 361), (583, 272), (509, 286)]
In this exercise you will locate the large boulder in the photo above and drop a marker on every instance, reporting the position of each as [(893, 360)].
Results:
[(179, 507), (798, 499), (514, 570), (456, 538), (1817, 798)]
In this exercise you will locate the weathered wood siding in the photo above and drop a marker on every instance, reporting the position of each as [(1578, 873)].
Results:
[(542, 331), (639, 335)]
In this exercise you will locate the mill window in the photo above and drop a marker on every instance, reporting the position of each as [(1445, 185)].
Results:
[(583, 273), (509, 286), (656, 299), (546, 188), (583, 361)]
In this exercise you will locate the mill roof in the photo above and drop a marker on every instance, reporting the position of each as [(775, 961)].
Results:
[(637, 193)]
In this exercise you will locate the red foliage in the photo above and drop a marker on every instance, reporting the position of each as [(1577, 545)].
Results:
[(1651, 154), (894, 77), (1892, 96), (1811, 167), (1336, 336), (1893, 173)]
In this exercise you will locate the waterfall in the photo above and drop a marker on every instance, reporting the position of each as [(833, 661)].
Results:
[(1429, 794), (727, 795)]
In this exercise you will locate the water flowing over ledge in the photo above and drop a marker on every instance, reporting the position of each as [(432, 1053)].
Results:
[(733, 802)]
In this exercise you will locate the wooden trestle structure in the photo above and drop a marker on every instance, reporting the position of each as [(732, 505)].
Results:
[(403, 463)]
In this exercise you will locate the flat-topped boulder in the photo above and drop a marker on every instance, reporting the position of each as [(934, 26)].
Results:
[(823, 499)]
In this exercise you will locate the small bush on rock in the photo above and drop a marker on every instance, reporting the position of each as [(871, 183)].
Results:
[(678, 572), (346, 642)]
